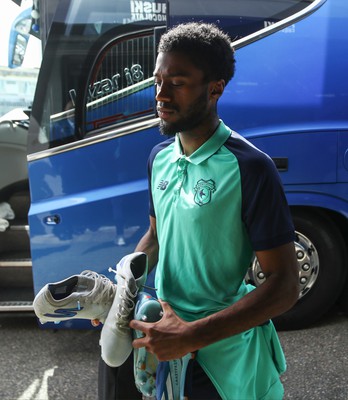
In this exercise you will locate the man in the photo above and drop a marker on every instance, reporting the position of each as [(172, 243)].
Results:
[(215, 200)]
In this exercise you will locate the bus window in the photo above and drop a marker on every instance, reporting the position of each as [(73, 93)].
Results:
[(240, 18), (121, 87), (96, 75)]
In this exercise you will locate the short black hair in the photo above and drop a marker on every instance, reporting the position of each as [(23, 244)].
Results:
[(208, 48)]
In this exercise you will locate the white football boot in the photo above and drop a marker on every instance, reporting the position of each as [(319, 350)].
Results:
[(116, 337), (85, 296)]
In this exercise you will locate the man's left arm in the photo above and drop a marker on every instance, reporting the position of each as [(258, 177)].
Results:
[(173, 337)]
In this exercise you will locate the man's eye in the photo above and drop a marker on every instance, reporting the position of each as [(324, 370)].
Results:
[(177, 83)]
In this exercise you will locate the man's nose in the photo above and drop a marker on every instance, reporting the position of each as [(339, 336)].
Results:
[(163, 93)]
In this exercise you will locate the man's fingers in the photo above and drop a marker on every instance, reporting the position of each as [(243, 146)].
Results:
[(138, 325), (95, 322), (138, 343)]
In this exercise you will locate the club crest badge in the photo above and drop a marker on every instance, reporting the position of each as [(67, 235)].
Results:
[(203, 191)]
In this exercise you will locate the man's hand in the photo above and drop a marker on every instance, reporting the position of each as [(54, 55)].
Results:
[(169, 338)]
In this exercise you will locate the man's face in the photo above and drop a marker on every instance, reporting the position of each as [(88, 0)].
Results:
[(182, 95)]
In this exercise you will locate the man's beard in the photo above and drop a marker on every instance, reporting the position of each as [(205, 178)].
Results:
[(189, 121)]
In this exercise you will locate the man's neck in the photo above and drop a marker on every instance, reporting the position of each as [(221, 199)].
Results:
[(194, 139)]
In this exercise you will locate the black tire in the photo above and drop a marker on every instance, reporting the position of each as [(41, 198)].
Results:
[(330, 276), (343, 299)]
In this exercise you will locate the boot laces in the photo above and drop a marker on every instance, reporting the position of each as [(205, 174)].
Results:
[(104, 289), (127, 303)]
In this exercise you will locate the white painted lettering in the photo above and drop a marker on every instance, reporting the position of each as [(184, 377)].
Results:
[(137, 6), (147, 7)]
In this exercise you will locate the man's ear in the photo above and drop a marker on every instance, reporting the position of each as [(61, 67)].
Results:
[(217, 88)]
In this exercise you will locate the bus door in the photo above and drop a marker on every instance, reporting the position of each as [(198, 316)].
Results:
[(92, 127)]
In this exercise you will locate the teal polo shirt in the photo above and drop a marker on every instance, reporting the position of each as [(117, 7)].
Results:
[(213, 209)]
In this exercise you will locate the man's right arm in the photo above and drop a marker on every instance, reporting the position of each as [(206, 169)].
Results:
[(148, 244)]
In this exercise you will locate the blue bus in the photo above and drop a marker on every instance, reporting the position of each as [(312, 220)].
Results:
[(93, 124)]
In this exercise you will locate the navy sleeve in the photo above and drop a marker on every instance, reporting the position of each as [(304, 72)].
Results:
[(151, 159), (265, 211), (151, 207)]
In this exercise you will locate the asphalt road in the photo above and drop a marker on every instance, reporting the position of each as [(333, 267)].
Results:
[(38, 364)]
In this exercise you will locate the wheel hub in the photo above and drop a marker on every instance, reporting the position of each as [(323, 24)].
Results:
[(308, 261)]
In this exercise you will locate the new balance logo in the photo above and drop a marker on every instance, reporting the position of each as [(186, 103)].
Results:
[(162, 185)]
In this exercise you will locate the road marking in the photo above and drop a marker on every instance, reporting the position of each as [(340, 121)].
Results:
[(38, 390)]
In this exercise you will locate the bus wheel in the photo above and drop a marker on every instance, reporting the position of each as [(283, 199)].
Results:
[(321, 256)]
